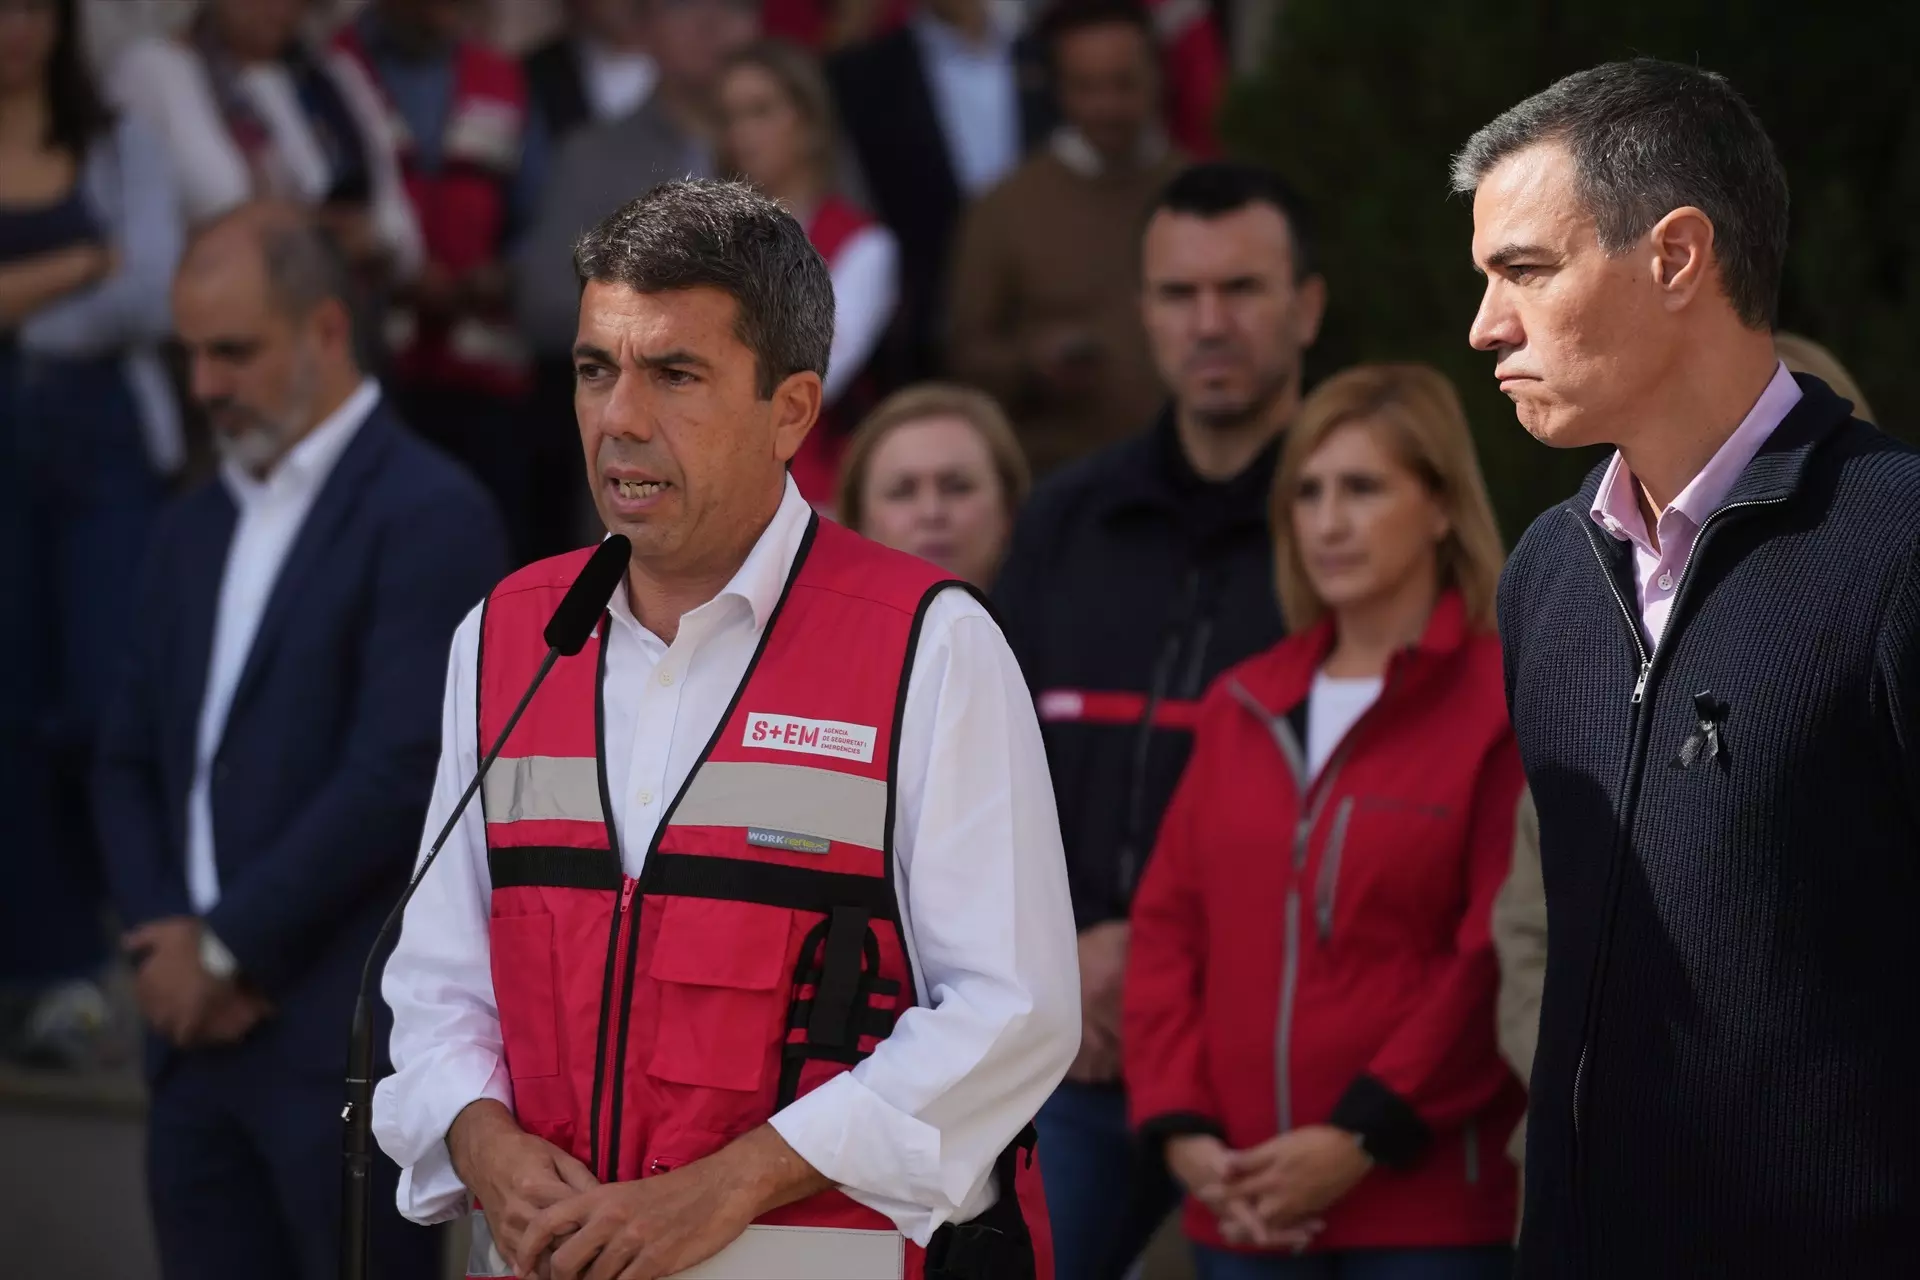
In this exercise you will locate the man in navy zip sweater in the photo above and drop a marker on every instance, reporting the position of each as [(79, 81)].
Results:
[(1713, 662)]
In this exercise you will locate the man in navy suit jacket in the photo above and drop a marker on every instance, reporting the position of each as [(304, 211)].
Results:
[(268, 759)]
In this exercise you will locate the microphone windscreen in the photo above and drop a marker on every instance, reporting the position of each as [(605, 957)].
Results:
[(587, 598)]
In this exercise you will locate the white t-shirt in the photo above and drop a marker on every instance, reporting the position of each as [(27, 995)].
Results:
[(1334, 704)]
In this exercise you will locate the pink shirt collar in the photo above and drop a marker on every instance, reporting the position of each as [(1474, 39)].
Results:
[(1617, 510)]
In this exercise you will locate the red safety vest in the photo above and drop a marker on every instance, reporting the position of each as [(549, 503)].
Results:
[(462, 210), (648, 1022), (816, 468)]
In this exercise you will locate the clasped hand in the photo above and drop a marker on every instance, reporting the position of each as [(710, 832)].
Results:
[(178, 997), (553, 1220), (1270, 1196)]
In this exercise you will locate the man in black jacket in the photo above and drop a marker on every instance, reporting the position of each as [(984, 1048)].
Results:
[(1136, 576), (1713, 660)]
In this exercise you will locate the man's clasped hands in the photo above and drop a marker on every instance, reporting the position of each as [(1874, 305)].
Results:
[(553, 1220)]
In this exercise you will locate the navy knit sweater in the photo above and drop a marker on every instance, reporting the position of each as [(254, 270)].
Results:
[(1728, 1074)]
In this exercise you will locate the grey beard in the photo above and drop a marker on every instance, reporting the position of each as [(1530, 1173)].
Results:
[(254, 450), (259, 446)]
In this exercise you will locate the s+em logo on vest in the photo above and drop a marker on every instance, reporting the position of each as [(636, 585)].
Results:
[(813, 737)]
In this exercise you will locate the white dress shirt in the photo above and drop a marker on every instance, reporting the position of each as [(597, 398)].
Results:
[(912, 1131), (165, 83), (271, 514), (615, 82), (977, 99), (866, 288)]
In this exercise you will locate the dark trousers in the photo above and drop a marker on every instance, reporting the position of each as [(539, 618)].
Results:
[(1106, 1195), (77, 498), (243, 1175)]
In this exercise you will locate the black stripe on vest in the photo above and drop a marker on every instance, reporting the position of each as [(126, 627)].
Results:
[(552, 866), (693, 875)]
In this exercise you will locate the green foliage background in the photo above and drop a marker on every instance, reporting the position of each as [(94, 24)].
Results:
[(1362, 102)]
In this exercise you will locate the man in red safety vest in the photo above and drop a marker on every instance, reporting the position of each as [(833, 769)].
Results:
[(756, 956)]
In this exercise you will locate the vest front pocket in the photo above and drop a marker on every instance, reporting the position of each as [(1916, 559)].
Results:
[(525, 990), (721, 967)]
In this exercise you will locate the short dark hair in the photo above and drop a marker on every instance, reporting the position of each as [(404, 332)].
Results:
[(1220, 187), (699, 233), (303, 263), (1648, 137), (305, 266), (1064, 17)]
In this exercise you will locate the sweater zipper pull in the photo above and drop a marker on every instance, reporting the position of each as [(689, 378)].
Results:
[(1640, 685)]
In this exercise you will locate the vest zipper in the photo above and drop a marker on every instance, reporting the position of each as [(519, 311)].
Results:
[(618, 1074), (607, 1073)]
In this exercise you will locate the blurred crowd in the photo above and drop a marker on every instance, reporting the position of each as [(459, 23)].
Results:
[(974, 175), (1066, 365)]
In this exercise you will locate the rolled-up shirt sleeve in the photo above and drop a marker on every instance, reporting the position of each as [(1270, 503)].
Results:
[(439, 981), (912, 1131)]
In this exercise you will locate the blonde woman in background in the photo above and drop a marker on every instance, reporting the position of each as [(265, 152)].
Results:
[(935, 470), (1357, 787)]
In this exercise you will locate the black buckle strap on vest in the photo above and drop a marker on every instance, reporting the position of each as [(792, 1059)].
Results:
[(831, 1025), (996, 1245), (845, 978)]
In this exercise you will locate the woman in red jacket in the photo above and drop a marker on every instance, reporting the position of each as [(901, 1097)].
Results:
[(1309, 1000)]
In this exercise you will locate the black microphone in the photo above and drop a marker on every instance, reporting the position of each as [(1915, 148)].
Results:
[(566, 635)]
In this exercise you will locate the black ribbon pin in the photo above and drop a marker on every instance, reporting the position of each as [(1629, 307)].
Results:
[(1709, 732)]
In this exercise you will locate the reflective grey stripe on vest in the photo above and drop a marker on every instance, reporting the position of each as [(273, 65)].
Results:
[(526, 788), (762, 1253), (788, 798), (806, 1253)]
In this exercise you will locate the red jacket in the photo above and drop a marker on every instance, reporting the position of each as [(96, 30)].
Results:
[(1362, 909)]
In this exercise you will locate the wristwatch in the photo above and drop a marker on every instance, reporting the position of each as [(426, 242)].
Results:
[(214, 956)]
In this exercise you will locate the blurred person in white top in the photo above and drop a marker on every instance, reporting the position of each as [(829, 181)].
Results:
[(250, 109)]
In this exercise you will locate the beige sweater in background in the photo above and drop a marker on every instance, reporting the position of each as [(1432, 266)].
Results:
[(1052, 247)]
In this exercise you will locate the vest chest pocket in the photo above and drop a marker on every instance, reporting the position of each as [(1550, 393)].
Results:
[(721, 968)]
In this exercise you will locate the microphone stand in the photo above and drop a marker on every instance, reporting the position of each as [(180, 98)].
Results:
[(357, 1117)]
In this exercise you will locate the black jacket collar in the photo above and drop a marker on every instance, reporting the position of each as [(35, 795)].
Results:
[(1155, 475)]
